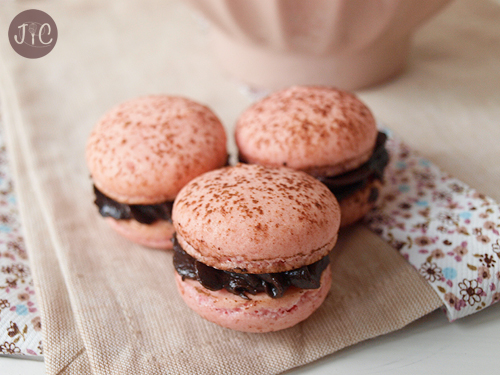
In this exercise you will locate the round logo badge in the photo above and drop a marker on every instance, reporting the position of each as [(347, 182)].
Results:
[(33, 33)]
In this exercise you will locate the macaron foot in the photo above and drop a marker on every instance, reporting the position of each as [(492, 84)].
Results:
[(357, 205), (157, 235), (260, 313)]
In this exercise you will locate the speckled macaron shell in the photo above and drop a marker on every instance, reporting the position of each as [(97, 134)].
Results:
[(256, 219), (145, 150), (260, 313), (319, 130), (157, 235)]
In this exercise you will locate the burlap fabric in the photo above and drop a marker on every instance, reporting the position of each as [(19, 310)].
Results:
[(111, 307)]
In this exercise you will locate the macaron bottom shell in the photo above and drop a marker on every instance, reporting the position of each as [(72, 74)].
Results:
[(157, 235), (260, 313), (357, 205)]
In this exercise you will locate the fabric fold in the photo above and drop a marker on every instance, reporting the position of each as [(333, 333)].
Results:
[(66, 353)]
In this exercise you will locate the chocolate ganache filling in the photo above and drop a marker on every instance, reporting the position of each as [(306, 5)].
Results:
[(143, 213), (348, 183), (273, 284)]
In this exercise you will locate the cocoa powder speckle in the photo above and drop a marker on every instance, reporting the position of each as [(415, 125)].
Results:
[(252, 203), (304, 127), (146, 149)]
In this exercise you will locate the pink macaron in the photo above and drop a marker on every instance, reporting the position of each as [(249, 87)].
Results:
[(325, 132), (252, 246), (142, 152)]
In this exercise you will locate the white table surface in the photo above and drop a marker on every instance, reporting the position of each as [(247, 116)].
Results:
[(430, 345)]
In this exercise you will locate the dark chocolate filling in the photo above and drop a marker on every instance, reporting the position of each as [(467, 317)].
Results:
[(143, 213), (348, 183), (274, 284)]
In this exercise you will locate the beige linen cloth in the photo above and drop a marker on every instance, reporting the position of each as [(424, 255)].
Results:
[(111, 307)]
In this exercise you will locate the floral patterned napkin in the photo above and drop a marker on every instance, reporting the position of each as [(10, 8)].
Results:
[(20, 325), (447, 230)]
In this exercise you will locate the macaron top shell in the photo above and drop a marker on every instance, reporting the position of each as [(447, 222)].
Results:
[(255, 219), (145, 150), (309, 128)]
